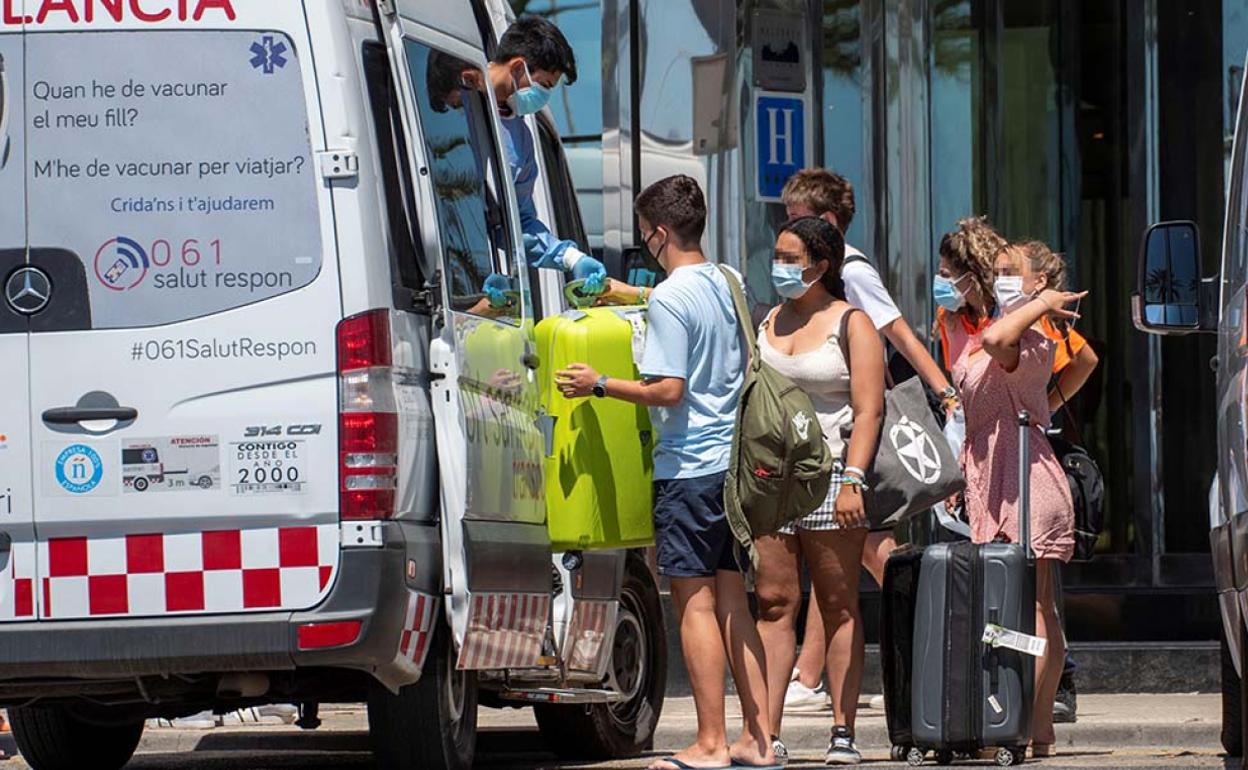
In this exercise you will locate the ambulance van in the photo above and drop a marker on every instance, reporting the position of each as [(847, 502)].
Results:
[(249, 238)]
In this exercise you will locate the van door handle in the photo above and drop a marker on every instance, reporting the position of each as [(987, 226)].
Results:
[(531, 360), (70, 415)]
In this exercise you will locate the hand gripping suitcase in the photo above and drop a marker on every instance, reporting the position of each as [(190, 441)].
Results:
[(599, 464), (968, 694)]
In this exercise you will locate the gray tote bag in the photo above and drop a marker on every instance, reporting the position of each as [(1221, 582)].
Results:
[(914, 466)]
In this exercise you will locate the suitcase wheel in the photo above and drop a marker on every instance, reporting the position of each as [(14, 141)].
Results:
[(944, 757), (899, 753), (1005, 757), (915, 756)]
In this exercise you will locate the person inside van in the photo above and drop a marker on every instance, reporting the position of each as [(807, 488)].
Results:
[(532, 59), (804, 339), (1008, 372), (693, 369), (825, 194)]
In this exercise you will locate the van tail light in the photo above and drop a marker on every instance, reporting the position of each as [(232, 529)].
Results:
[(320, 636), (368, 420)]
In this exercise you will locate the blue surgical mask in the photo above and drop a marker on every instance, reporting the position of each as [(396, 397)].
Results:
[(947, 294), (788, 280), (531, 98), (1008, 290)]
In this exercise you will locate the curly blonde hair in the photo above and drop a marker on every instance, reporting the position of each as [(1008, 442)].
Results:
[(971, 249), (1043, 261)]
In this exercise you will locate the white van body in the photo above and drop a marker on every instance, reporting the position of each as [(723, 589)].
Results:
[(239, 240)]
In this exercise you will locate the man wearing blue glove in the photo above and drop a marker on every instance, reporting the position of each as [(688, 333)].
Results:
[(533, 58)]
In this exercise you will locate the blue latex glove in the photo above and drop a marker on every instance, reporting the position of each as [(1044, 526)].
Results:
[(535, 250), (593, 272), (495, 290)]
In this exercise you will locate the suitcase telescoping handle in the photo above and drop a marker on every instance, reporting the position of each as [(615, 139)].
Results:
[(1024, 482)]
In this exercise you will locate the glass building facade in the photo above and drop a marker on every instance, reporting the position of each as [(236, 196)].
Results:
[(1077, 122)]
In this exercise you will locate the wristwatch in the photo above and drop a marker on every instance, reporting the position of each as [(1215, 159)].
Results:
[(950, 394), (600, 387)]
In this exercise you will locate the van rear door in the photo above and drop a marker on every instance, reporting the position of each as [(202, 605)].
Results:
[(184, 437), (24, 291), (484, 389)]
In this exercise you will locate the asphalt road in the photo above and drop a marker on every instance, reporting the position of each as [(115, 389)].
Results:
[(523, 750)]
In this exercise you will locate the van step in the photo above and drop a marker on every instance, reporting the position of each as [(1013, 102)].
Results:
[(556, 695)]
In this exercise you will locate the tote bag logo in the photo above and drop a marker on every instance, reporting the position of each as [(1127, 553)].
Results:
[(916, 451)]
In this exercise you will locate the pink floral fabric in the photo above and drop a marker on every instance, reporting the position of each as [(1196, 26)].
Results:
[(992, 398)]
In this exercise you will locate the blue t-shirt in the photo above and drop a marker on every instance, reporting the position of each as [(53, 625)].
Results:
[(692, 333)]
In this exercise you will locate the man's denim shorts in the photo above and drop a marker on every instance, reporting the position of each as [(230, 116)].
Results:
[(691, 530)]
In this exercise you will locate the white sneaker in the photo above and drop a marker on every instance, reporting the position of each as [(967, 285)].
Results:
[(204, 720), (273, 714), (801, 699), (780, 750), (841, 749)]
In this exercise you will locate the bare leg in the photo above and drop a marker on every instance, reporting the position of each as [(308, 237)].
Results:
[(814, 654), (1049, 667), (703, 647), (835, 559), (875, 554), (749, 668), (777, 585)]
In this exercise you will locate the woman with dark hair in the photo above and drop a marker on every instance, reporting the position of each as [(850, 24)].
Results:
[(802, 340)]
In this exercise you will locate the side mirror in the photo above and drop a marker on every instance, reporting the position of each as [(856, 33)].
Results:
[(1172, 297)]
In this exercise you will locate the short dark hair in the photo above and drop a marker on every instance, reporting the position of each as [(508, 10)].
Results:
[(821, 191), (540, 44), (675, 202), (823, 242)]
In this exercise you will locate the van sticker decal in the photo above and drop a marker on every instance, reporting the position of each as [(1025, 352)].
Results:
[(79, 469), (268, 55), (89, 11), (267, 467), (171, 464), (191, 178), (248, 570)]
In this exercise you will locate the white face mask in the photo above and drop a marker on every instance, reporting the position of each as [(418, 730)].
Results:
[(1008, 290)]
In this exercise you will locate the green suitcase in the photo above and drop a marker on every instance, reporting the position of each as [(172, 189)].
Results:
[(600, 464)]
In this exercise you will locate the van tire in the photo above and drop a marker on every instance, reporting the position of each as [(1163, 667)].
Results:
[(1232, 707), (615, 730), (429, 724), (51, 738), (140, 484)]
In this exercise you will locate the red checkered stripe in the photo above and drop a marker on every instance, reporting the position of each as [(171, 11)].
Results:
[(504, 631), (587, 634), (418, 627), (227, 571), (17, 583)]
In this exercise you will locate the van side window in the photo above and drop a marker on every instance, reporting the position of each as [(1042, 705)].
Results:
[(464, 169), (568, 224), (401, 221)]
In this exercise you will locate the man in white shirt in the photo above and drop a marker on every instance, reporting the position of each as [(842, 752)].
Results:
[(829, 196)]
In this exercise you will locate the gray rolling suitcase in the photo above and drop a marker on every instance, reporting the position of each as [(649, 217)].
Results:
[(967, 694)]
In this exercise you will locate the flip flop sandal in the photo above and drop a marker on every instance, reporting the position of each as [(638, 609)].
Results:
[(674, 762)]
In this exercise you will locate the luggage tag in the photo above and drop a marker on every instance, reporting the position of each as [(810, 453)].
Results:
[(638, 322), (998, 636)]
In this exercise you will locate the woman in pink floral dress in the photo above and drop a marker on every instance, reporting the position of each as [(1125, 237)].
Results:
[(1007, 372)]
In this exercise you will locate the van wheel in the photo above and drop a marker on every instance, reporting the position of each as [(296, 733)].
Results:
[(140, 485), (51, 738), (638, 668), (431, 724), (1232, 707), (205, 482)]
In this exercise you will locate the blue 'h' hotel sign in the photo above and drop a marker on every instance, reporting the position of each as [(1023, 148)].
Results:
[(780, 121)]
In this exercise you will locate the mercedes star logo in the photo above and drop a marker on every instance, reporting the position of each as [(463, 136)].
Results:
[(28, 290)]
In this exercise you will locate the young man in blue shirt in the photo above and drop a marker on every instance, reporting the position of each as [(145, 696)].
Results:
[(693, 369)]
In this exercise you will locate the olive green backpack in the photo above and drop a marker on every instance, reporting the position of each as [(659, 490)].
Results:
[(780, 468)]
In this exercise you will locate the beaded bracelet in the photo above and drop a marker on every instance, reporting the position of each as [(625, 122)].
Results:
[(854, 481)]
